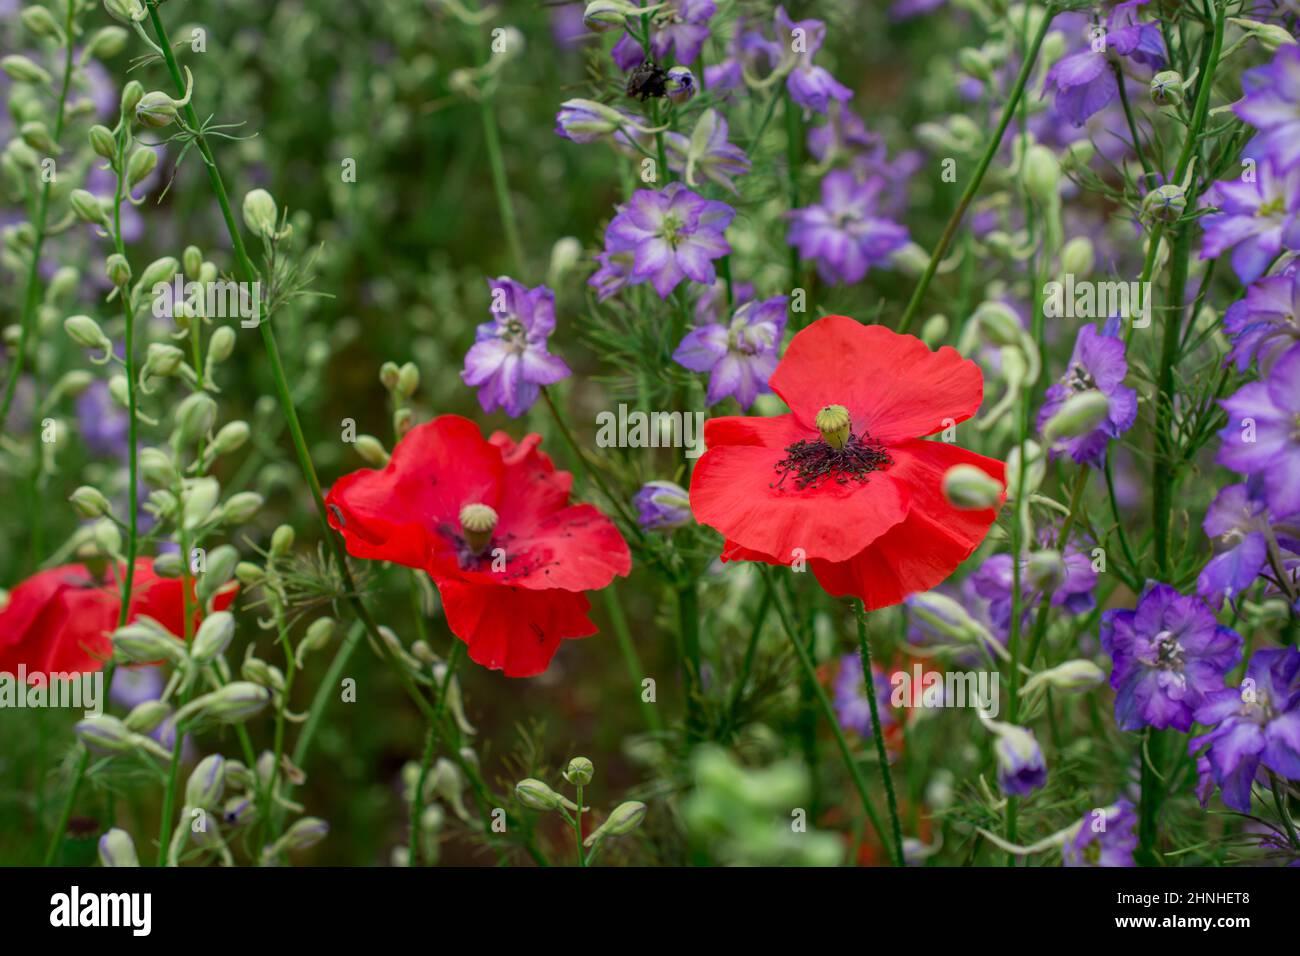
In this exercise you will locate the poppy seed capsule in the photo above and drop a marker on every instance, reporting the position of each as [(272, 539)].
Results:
[(835, 425), (477, 522)]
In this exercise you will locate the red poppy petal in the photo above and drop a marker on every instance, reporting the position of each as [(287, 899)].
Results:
[(925, 549), (776, 431), (893, 385), (393, 514), (514, 630), (533, 489), (734, 552), (732, 491)]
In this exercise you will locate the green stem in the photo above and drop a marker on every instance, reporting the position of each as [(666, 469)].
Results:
[(828, 711), (688, 620), (499, 184), (950, 230), (634, 669), (877, 732), (1152, 796), (1040, 621), (430, 749)]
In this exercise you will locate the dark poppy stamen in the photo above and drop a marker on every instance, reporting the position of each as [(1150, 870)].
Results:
[(812, 462)]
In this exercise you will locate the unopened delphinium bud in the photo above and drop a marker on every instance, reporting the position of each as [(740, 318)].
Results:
[(157, 468), (20, 69), (241, 508), (90, 502), (147, 716), (536, 795), (103, 142), (625, 818), (408, 380), (126, 11), (88, 208), (1045, 570), (195, 417), (1042, 174), (105, 734), (234, 703), (107, 42), (371, 450), (207, 783), (970, 488), (231, 437), (680, 84), (142, 162), (118, 269), (1077, 256), (1167, 88), (579, 772), (1074, 676), (116, 848), (282, 541), (1078, 415), (1165, 203), (40, 22), (85, 331), (145, 641), (37, 135), (213, 637), (261, 214)]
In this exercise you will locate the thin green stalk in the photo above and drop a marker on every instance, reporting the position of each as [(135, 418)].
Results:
[(747, 663), (634, 669), (688, 621), (492, 137), (430, 749), (828, 711), (950, 230), (877, 733), (1040, 621), (31, 293)]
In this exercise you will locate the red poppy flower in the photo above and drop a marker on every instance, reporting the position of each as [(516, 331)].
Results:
[(491, 523), (61, 620), (845, 480)]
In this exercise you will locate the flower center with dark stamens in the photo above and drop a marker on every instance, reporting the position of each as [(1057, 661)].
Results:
[(1169, 653), (477, 522), (839, 455), (1079, 379)]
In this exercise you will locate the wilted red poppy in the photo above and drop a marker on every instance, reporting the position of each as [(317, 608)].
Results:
[(491, 524), (61, 620), (845, 481)]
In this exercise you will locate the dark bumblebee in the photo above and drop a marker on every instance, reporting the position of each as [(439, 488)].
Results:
[(647, 80)]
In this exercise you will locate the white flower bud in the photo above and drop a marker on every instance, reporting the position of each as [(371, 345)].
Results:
[(117, 849)]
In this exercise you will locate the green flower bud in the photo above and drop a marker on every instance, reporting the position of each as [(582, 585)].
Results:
[(232, 704), (168, 565), (538, 796), (22, 70), (207, 782), (934, 330), (579, 772), (107, 538), (1078, 415), (1042, 174), (261, 214), (86, 332), (1034, 470), (1165, 203), (260, 672), (192, 261), (72, 383), (118, 269), (970, 488), (1077, 256), (103, 142), (159, 272), (625, 818), (371, 450), (200, 497), (157, 468), (90, 502), (241, 508), (145, 641), (408, 380), (132, 93), (195, 417), (156, 109), (319, 633), (1071, 677), (1045, 570), (126, 10), (142, 162), (604, 15), (282, 541), (389, 373), (214, 635), (117, 849), (304, 834), (107, 42), (105, 734), (403, 421), (63, 285), (88, 208), (37, 136), (221, 345), (248, 573), (1167, 88), (147, 717), (231, 437), (40, 22)]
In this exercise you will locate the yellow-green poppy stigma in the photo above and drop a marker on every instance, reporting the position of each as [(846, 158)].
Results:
[(835, 425), (477, 522)]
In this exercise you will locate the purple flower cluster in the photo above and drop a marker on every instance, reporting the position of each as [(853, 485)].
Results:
[(508, 362), (1098, 363), (741, 356), (842, 233)]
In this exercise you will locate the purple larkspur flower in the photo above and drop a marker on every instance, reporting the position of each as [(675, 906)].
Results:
[(842, 233), (1266, 322), (662, 506), (747, 51), (1262, 438), (852, 708), (1256, 725), (102, 422), (741, 356), (1105, 840), (1237, 521), (614, 274), (133, 686), (907, 9), (993, 581), (811, 86), (680, 28), (1084, 82), (1098, 364), (508, 362), (1169, 652), (711, 301), (673, 233), (1272, 105), (1255, 219), (717, 160), (846, 135), (586, 121), (1021, 766)]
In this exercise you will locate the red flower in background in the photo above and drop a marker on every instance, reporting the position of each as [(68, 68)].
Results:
[(491, 524), (61, 620), (845, 480)]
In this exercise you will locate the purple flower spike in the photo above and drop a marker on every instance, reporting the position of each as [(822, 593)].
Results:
[(1255, 219), (717, 160), (1108, 839), (1169, 654), (1272, 105), (1098, 363), (1258, 726), (1261, 436), (842, 233), (1237, 520), (739, 357), (673, 234), (812, 87), (680, 28), (1021, 767), (508, 362), (1084, 82), (1266, 322)]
